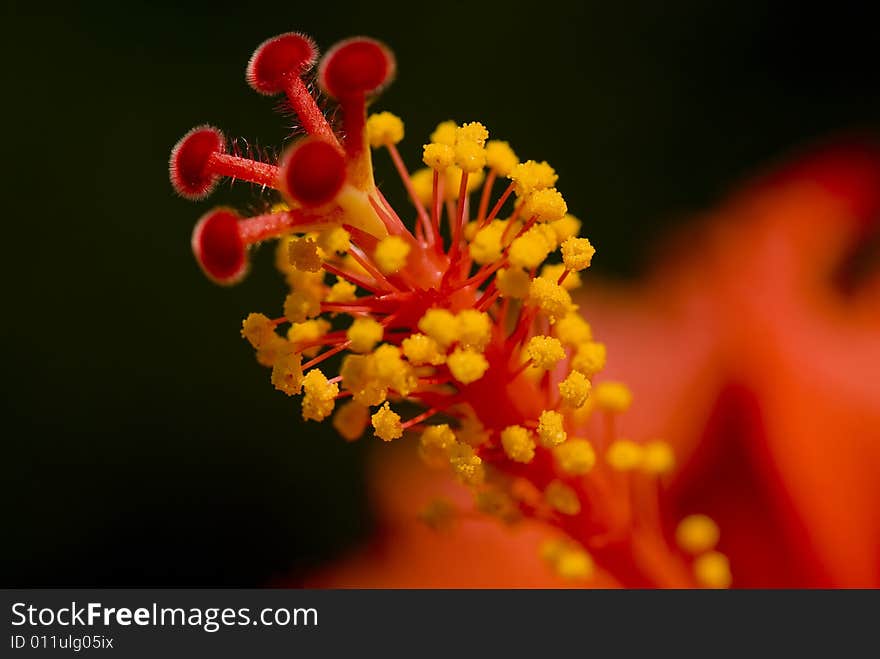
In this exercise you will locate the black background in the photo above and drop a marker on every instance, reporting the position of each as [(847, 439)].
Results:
[(142, 445)]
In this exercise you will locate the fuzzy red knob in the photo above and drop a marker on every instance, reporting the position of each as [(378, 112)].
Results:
[(354, 67), (278, 60), (218, 246), (312, 172), (191, 175)]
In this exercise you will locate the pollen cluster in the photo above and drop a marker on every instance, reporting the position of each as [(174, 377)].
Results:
[(450, 320)]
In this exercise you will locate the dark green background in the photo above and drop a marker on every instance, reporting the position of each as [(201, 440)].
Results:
[(142, 444)]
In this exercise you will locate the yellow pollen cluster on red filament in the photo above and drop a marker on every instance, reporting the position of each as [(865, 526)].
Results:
[(449, 319)]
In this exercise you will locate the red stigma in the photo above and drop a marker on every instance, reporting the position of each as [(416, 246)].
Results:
[(279, 60), (218, 246), (191, 175), (312, 172), (356, 66)]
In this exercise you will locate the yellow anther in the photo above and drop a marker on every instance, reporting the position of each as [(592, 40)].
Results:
[(391, 253), (550, 298), (624, 455), (467, 365), (308, 332), (613, 396), (573, 330), (712, 570), (359, 377), (472, 432), (445, 133), (551, 428), (513, 282), (575, 389), (474, 132), (474, 329), (575, 456), (553, 271), (258, 330), (577, 253), (545, 351), (386, 423), (568, 227), (440, 325), (562, 498), (485, 246), (287, 375), (351, 420), (497, 503), (438, 156), (435, 444), (391, 371), (421, 349), (453, 182), (529, 250), (658, 458), (320, 396), (342, 291), (500, 157), (272, 350), (364, 334), (545, 205), (466, 464), (470, 157), (423, 185), (530, 176), (589, 358), (518, 444), (334, 240), (384, 128), (696, 534), (301, 305), (303, 253), (575, 565)]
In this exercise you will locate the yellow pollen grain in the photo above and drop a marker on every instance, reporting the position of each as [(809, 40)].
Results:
[(342, 291), (550, 298), (518, 444), (301, 305), (257, 329), (696, 534), (391, 253), (364, 334), (474, 132), (287, 374), (320, 396), (445, 133), (470, 157), (420, 349), (529, 250), (440, 325), (575, 389), (467, 365), (612, 396), (386, 424), (474, 329), (568, 227), (466, 464), (485, 246), (658, 458), (589, 358), (624, 455), (530, 176), (423, 185), (575, 456), (438, 157), (712, 570), (577, 253), (384, 128), (500, 157), (513, 282), (546, 205), (545, 351), (303, 253), (334, 240), (562, 498), (573, 330), (551, 428), (553, 271), (351, 420), (435, 444)]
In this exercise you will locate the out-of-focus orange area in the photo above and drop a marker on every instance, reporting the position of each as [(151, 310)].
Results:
[(754, 347)]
